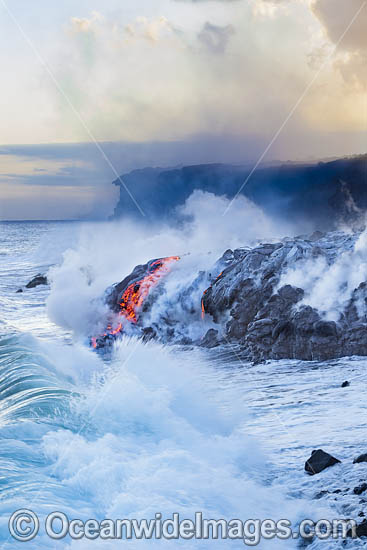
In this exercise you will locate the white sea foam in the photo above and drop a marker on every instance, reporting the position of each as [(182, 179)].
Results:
[(160, 439)]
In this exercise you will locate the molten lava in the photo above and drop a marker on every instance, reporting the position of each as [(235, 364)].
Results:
[(202, 305), (205, 291), (134, 296)]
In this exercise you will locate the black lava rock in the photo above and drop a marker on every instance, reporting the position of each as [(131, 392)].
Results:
[(360, 531), (37, 281), (210, 339), (345, 384), (243, 296), (19, 290), (360, 489), (360, 458), (319, 461)]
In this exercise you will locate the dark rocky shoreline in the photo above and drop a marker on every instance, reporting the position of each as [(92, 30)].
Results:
[(246, 303), (270, 321)]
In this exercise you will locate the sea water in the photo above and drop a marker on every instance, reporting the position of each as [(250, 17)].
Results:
[(150, 428)]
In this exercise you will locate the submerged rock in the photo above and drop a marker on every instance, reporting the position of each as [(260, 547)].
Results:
[(319, 461)]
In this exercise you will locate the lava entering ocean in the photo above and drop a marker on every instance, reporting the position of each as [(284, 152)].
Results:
[(205, 291), (133, 297)]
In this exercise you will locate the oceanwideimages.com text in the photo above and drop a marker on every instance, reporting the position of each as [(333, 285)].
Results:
[(25, 525)]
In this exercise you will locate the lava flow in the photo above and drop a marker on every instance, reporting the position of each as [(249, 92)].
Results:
[(134, 296), (205, 291)]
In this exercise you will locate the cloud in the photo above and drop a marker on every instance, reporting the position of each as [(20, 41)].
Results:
[(170, 70), (215, 38), (268, 8), (336, 16), (84, 24), (150, 29), (73, 180), (202, 1), (150, 78)]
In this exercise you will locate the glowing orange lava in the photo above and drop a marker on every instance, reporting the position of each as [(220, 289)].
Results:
[(135, 295), (205, 291), (202, 305)]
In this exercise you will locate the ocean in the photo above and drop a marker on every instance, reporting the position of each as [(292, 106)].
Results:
[(150, 428)]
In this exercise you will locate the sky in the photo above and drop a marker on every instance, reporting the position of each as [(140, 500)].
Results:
[(169, 82)]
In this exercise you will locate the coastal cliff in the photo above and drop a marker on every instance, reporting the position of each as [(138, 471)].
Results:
[(322, 195)]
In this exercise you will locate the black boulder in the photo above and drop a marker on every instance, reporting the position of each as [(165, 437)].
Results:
[(319, 461)]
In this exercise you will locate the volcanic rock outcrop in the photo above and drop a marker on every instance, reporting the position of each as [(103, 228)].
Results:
[(38, 280), (250, 304), (271, 320)]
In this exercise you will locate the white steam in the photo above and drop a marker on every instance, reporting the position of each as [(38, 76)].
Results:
[(107, 252), (328, 287)]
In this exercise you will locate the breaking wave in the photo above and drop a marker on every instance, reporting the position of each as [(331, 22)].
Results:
[(151, 431)]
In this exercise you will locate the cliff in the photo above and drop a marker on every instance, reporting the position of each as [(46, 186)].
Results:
[(324, 194)]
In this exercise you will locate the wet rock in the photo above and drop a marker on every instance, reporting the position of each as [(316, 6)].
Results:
[(360, 458), (185, 341), (148, 334), (19, 290), (240, 253), (210, 339), (360, 489), (325, 329), (319, 461), (260, 329), (320, 494), (316, 236), (291, 294), (37, 281), (228, 256), (356, 340), (359, 531), (345, 384)]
